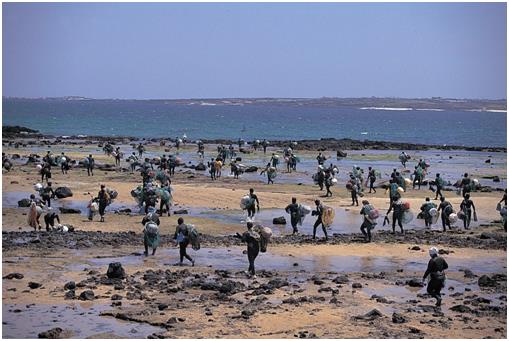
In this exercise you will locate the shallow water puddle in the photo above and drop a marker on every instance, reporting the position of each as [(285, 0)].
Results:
[(22, 321)]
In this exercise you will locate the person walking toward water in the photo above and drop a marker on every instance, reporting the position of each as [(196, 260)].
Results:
[(397, 209), (271, 173), (182, 238), (90, 165), (328, 182), (264, 145), (172, 163), (367, 224), (418, 176), (251, 207), (446, 208), (252, 239), (212, 168), (466, 206), (47, 194), (465, 184), (439, 183), (372, 179), (352, 187), (118, 155), (274, 160), (104, 199), (403, 158), (140, 149), (321, 159), (64, 163), (436, 267), (425, 209), (151, 235), (318, 213), (294, 212), (46, 172)]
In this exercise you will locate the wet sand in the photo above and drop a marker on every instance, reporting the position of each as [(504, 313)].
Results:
[(297, 292)]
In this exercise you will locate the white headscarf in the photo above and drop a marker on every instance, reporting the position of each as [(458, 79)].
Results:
[(433, 251)]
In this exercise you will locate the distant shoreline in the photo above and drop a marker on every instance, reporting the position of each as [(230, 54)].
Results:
[(363, 103), (18, 132)]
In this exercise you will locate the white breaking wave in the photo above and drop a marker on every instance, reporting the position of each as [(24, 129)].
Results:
[(384, 108), (205, 103), (430, 109), (487, 110)]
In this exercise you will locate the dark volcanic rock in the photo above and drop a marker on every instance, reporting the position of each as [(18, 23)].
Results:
[(460, 308), (369, 316), (63, 192), (34, 285), (279, 221), (486, 281), (14, 275), (251, 169), (341, 279), (398, 318), (356, 285), (115, 270), (180, 212), (66, 210), (70, 295), (51, 334), (87, 295), (70, 285), (414, 283), (24, 203)]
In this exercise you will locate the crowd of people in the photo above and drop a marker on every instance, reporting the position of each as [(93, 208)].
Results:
[(156, 179)]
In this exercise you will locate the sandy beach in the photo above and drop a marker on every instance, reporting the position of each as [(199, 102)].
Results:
[(304, 288)]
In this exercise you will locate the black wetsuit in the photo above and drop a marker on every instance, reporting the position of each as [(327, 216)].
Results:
[(372, 179), (49, 220), (318, 212), (253, 249), (103, 199), (435, 270), (182, 228), (439, 184), (425, 208), (47, 194), (90, 166), (465, 184), (367, 225), (446, 209), (397, 214), (466, 206), (353, 193), (293, 210), (251, 210)]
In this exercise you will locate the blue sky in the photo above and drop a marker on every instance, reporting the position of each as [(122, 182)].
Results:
[(173, 50)]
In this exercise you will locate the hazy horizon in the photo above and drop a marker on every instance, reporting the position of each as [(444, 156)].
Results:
[(181, 51)]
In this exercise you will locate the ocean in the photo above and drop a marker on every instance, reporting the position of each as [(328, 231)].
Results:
[(153, 119)]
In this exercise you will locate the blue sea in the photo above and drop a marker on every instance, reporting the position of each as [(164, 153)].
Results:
[(151, 119)]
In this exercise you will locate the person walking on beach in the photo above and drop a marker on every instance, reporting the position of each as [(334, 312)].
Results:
[(436, 267), (372, 179), (182, 238), (466, 206), (212, 168), (368, 224), (36, 209), (328, 183), (264, 145), (46, 172), (352, 187), (118, 155), (466, 184), (321, 159), (446, 208), (403, 158), (439, 183), (397, 214), (294, 212), (393, 190), (318, 213), (271, 173), (90, 165), (47, 194), (104, 199), (140, 149), (151, 235), (418, 175), (252, 239), (425, 208), (64, 163), (320, 177), (251, 208), (172, 163)]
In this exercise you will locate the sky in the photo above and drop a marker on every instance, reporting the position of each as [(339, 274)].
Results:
[(178, 50)]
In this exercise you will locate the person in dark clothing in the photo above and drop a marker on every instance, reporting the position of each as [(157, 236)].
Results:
[(393, 174), (140, 149), (321, 179), (321, 159), (446, 208), (293, 210), (64, 163), (418, 177), (252, 239), (504, 198), (117, 156), (172, 163), (318, 213), (163, 163), (367, 224), (353, 190), (90, 165), (182, 238), (465, 184), (435, 270), (46, 172), (467, 205), (372, 179), (104, 199), (439, 183), (150, 200), (328, 183), (49, 220), (264, 145), (397, 209), (251, 208), (212, 166), (425, 208), (151, 237), (47, 194)]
